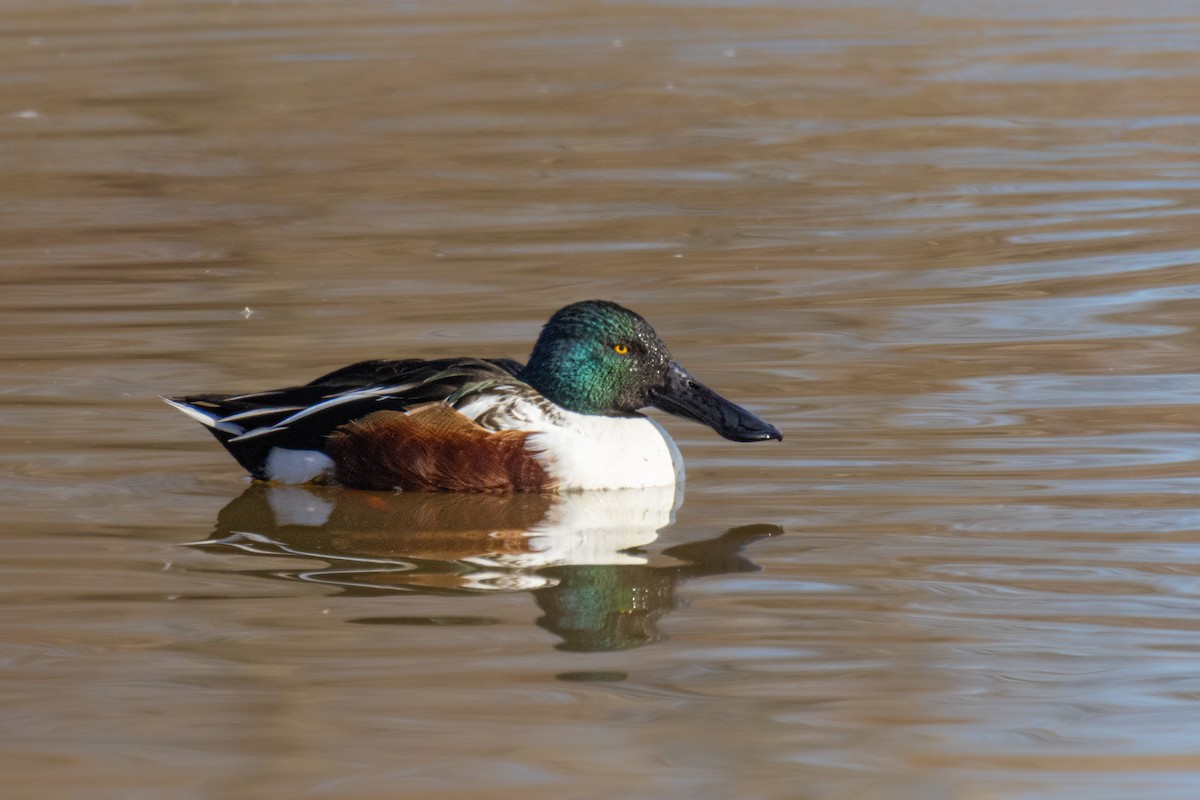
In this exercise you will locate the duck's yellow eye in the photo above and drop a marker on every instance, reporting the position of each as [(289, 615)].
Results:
[(621, 349)]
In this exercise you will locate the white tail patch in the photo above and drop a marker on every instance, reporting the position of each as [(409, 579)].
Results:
[(297, 466)]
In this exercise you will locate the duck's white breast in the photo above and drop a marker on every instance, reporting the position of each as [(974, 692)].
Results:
[(588, 452), (584, 451)]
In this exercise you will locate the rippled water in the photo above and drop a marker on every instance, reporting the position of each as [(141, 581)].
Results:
[(949, 247)]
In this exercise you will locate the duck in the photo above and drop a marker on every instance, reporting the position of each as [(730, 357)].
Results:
[(569, 419)]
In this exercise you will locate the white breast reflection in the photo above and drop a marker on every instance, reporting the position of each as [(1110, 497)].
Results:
[(586, 557)]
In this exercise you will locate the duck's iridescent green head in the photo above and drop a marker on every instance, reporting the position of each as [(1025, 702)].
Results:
[(596, 357)]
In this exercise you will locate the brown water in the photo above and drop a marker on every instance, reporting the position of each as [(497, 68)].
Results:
[(951, 248)]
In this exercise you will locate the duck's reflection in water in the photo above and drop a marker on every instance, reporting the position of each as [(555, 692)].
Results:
[(579, 554)]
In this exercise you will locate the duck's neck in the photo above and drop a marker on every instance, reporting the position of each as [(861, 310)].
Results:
[(567, 378)]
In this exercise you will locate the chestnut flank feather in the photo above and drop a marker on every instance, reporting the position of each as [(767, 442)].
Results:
[(433, 449)]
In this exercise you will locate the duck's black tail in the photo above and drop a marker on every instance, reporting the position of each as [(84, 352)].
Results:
[(300, 418), (213, 412)]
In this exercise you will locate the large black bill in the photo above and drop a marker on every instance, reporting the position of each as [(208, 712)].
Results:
[(684, 396)]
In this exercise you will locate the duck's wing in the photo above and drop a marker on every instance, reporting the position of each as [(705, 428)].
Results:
[(381, 372), (301, 417)]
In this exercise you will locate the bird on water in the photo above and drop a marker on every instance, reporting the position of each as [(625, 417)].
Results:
[(568, 420)]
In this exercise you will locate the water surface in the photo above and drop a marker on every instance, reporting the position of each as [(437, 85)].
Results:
[(948, 247)]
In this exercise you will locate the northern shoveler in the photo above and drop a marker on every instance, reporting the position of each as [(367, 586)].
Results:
[(567, 420)]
